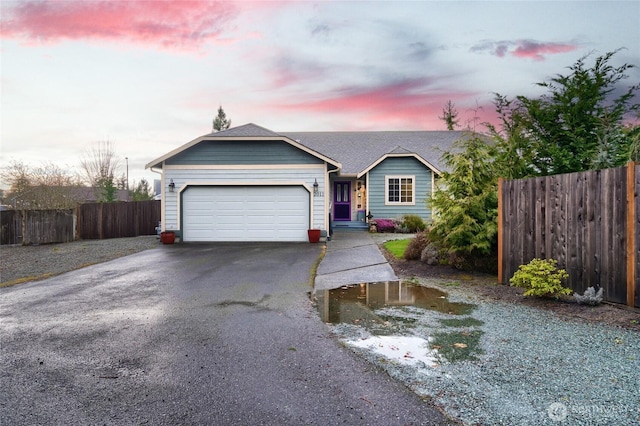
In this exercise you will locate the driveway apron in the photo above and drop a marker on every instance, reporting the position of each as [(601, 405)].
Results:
[(219, 334)]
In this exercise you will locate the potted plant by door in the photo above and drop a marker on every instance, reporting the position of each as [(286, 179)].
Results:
[(314, 235)]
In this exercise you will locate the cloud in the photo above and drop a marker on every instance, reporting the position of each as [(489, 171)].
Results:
[(407, 104), (523, 48), (169, 24), (536, 51), (286, 70)]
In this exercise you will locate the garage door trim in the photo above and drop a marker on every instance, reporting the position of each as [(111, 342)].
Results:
[(187, 185)]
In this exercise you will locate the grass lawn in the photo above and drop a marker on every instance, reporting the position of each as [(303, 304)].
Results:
[(397, 247)]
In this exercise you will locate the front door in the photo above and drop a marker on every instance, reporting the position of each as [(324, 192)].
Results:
[(342, 201)]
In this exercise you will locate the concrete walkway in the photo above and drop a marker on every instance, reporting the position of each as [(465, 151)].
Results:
[(352, 257)]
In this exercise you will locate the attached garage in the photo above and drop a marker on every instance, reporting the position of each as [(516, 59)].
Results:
[(245, 213)]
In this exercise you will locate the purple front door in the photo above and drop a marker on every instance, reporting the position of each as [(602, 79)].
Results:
[(342, 201)]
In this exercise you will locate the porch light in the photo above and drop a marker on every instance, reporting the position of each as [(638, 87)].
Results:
[(172, 185), (315, 187)]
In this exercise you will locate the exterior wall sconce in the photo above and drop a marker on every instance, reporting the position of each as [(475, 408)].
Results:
[(172, 186), (315, 187)]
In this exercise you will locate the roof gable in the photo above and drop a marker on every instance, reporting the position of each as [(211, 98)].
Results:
[(222, 151), (399, 153), (247, 132)]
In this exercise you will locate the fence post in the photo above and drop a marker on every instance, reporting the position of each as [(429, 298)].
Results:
[(631, 233), (500, 224)]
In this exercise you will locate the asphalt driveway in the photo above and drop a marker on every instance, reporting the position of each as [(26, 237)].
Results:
[(188, 334)]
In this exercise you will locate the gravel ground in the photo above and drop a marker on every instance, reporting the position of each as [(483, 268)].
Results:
[(530, 367), (28, 263)]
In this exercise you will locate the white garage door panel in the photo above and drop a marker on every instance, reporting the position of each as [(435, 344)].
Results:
[(245, 213)]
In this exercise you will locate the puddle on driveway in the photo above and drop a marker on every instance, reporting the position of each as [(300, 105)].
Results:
[(390, 331), (355, 303)]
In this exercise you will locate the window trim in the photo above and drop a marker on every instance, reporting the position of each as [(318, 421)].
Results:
[(399, 203)]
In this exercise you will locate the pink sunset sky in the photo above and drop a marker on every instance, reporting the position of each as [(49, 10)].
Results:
[(149, 75)]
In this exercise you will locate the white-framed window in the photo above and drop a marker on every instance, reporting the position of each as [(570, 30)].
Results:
[(400, 190)]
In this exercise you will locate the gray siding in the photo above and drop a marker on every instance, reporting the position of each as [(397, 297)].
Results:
[(242, 152), (399, 166)]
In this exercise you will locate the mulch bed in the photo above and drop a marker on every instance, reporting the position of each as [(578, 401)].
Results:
[(487, 288)]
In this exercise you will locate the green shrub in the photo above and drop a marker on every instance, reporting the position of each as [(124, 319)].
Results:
[(541, 277), (413, 223), (416, 246)]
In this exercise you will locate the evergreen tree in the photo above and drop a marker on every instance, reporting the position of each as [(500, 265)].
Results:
[(465, 201), (221, 122), (579, 124), (142, 191), (449, 115)]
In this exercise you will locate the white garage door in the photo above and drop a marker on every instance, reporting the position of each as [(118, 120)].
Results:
[(245, 213)]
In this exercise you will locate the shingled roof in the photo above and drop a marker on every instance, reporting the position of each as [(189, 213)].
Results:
[(244, 131), (358, 150), (355, 151)]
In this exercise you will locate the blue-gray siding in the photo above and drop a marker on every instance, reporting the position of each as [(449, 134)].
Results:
[(242, 152), (399, 166)]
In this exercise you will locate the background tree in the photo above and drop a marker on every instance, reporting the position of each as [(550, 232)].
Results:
[(121, 181), (510, 136), (579, 123), (449, 115), (633, 136), (100, 165), (45, 187), (142, 191), (221, 122)]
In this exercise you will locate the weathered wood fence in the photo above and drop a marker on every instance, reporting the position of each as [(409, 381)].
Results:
[(116, 220), (36, 226), (587, 221), (86, 222)]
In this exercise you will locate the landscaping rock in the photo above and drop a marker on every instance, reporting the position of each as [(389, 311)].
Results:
[(430, 255)]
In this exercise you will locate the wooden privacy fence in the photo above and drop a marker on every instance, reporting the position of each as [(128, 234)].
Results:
[(116, 220), (29, 227), (587, 221), (87, 221)]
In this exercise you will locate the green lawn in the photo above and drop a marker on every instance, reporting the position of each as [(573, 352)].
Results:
[(397, 247)]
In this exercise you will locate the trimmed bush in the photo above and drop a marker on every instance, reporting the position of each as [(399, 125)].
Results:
[(541, 277), (416, 246), (413, 223)]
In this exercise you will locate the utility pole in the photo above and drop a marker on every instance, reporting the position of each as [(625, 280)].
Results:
[(126, 159)]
